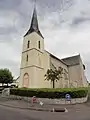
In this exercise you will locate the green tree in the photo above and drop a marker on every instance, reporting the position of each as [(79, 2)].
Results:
[(5, 76), (54, 75)]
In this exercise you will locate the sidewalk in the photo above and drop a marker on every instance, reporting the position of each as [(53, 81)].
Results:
[(30, 106)]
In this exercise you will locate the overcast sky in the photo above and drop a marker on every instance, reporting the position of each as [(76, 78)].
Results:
[(66, 29)]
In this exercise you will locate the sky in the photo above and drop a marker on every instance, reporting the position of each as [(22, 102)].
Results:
[(65, 25)]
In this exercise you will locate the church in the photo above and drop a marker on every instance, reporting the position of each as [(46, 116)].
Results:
[(35, 61)]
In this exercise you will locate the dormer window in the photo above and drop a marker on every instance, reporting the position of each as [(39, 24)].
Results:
[(28, 44), (39, 44)]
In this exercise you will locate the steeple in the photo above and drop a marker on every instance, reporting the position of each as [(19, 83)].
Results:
[(34, 24)]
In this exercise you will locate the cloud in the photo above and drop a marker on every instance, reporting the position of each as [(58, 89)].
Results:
[(66, 31), (80, 20), (9, 4)]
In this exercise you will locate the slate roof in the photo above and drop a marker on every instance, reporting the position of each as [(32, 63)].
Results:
[(53, 56), (73, 60), (34, 25)]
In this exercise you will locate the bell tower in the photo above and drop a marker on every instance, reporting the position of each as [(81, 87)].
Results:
[(32, 66)]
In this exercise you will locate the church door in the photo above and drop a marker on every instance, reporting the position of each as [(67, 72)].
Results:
[(26, 80)]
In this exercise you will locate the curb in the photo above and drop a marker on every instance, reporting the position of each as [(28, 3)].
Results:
[(37, 109), (29, 108)]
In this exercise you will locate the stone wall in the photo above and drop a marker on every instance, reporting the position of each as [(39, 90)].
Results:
[(50, 101)]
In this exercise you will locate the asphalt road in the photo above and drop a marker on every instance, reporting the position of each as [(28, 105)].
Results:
[(7, 113), (76, 113)]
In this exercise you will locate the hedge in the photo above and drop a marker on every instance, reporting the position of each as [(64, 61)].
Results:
[(50, 93)]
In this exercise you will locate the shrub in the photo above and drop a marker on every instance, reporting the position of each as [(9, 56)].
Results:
[(50, 93)]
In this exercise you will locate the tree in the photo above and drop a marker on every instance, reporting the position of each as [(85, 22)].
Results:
[(54, 75), (5, 76)]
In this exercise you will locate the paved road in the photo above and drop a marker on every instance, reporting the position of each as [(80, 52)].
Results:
[(7, 113), (78, 112)]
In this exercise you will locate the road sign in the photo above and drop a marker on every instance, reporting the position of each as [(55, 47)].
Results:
[(68, 97)]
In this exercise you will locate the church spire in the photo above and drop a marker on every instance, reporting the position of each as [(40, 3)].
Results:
[(34, 24)]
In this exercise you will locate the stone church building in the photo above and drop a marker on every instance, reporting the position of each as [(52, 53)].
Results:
[(35, 61)]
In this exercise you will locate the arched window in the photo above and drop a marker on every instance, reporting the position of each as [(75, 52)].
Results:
[(39, 44), (28, 44), (27, 58)]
